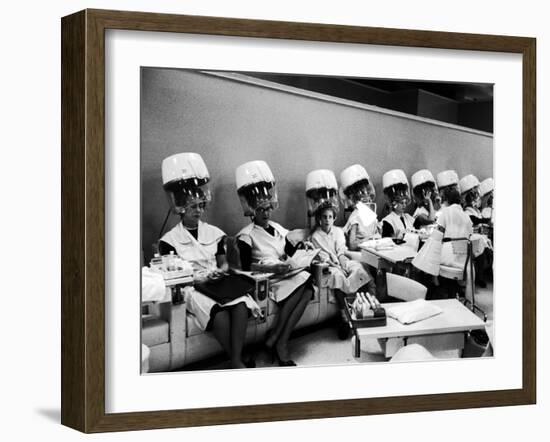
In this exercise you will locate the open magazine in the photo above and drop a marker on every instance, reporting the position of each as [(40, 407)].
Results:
[(302, 258)]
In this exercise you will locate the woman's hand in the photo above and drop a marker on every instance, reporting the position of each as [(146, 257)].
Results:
[(348, 266), (281, 268), (200, 277), (308, 245), (216, 274), (360, 236), (428, 198), (323, 256), (355, 238)]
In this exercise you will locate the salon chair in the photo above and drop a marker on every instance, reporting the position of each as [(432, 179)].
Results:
[(464, 275)]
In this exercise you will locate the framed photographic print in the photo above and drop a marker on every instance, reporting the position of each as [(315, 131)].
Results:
[(270, 220)]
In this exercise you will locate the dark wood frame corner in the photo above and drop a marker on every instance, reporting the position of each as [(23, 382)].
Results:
[(83, 218)]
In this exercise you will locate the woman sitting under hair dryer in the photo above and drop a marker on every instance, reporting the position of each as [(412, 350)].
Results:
[(426, 198), (263, 245), (396, 190), (358, 195), (321, 190), (346, 276), (471, 199), (486, 189), (185, 179)]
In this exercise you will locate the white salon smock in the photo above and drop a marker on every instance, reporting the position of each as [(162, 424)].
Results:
[(268, 249), (400, 223), (457, 224), (333, 244), (487, 213), (201, 253), (472, 211), (420, 210), (366, 231)]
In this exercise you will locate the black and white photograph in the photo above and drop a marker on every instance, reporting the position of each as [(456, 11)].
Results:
[(292, 220), (263, 221)]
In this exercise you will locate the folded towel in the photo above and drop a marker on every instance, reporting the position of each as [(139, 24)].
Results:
[(379, 244), (413, 311), (404, 288), (412, 240), (366, 215), (152, 285)]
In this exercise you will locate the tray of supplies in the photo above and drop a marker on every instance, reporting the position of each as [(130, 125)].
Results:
[(364, 310)]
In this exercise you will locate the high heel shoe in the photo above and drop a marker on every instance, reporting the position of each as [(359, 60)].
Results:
[(275, 357), (268, 335), (269, 349)]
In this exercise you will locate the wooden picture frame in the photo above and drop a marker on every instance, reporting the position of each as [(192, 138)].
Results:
[(83, 219)]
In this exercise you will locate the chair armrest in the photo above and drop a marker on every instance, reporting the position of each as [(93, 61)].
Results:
[(456, 239), (321, 274), (175, 315)]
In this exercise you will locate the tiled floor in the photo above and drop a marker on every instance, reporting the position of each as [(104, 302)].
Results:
[(322, 346)]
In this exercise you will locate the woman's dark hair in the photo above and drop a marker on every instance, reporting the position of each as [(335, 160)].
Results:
[(397, 189), (185, 185), (186, 190), (317, 194), (450, 194), (355, 187), (253, 193), (419, 190), (470, 197), (324, 207), (182, 197)]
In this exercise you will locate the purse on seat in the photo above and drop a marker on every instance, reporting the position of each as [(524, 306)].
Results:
[(226, 288)]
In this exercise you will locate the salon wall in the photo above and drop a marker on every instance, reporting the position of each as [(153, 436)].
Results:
[(229, 122)]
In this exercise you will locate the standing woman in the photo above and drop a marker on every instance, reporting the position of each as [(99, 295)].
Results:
[(185, 178), (471, 202), (452, 223), (452, 220), (263, 246)]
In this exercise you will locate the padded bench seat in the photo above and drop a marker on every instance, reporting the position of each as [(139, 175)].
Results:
[(154, 331)]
